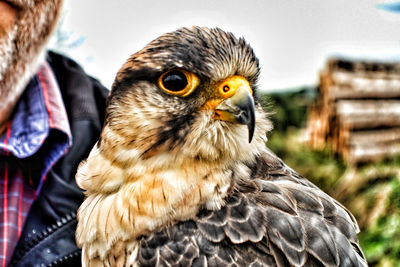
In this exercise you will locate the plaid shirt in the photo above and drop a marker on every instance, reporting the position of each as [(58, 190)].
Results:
[(32, 143)]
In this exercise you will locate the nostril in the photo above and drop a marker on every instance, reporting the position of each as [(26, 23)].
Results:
[(226, 88)]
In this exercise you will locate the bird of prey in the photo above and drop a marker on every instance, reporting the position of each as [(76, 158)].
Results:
[(181, 175)]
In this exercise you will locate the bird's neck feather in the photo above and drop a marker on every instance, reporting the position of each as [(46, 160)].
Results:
[(129, 196), (128, 206)]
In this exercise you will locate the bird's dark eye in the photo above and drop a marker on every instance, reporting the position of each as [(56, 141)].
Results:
[(178, 82), (174, 81)]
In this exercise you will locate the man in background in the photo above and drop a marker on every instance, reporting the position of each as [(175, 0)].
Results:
[(51, 114)]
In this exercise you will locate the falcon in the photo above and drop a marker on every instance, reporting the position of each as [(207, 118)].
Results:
[(181, 175)]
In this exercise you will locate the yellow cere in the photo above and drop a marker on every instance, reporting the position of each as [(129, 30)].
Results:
[(229, 86)]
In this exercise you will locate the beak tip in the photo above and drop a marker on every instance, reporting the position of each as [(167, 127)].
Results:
[(252, 120), (251, 131)]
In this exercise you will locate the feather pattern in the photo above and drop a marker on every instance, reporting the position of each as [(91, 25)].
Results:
[(269, 220)]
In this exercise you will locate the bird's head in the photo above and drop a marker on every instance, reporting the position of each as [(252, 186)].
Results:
[(189, 94)]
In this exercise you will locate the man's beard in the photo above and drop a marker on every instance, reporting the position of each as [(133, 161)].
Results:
[(6, 52), (7, 38), (22, 47)]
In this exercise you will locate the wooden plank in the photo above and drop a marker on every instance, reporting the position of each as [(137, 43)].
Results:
[(359, 114), (358, 66), (345, 85), (361, 138), (362, 78), (342, 84), (372, 152)]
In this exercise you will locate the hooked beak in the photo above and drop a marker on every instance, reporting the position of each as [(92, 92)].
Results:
[(238, 105)]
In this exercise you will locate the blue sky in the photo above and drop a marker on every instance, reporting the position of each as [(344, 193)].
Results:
[(292, 39)]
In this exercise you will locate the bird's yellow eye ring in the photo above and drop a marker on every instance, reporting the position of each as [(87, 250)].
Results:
[(178, 82)]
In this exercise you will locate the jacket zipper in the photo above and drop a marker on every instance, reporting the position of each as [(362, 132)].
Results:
[(65, 259), (41, 236)]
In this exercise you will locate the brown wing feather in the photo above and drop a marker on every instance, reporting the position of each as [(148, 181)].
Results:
[(275, 218)]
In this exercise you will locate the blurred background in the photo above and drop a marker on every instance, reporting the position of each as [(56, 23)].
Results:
[(330, 78)]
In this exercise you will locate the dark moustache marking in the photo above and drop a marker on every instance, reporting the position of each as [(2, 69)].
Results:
[(172, 135)]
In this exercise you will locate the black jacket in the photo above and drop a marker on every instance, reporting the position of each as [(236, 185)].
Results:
[(48, 237)]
